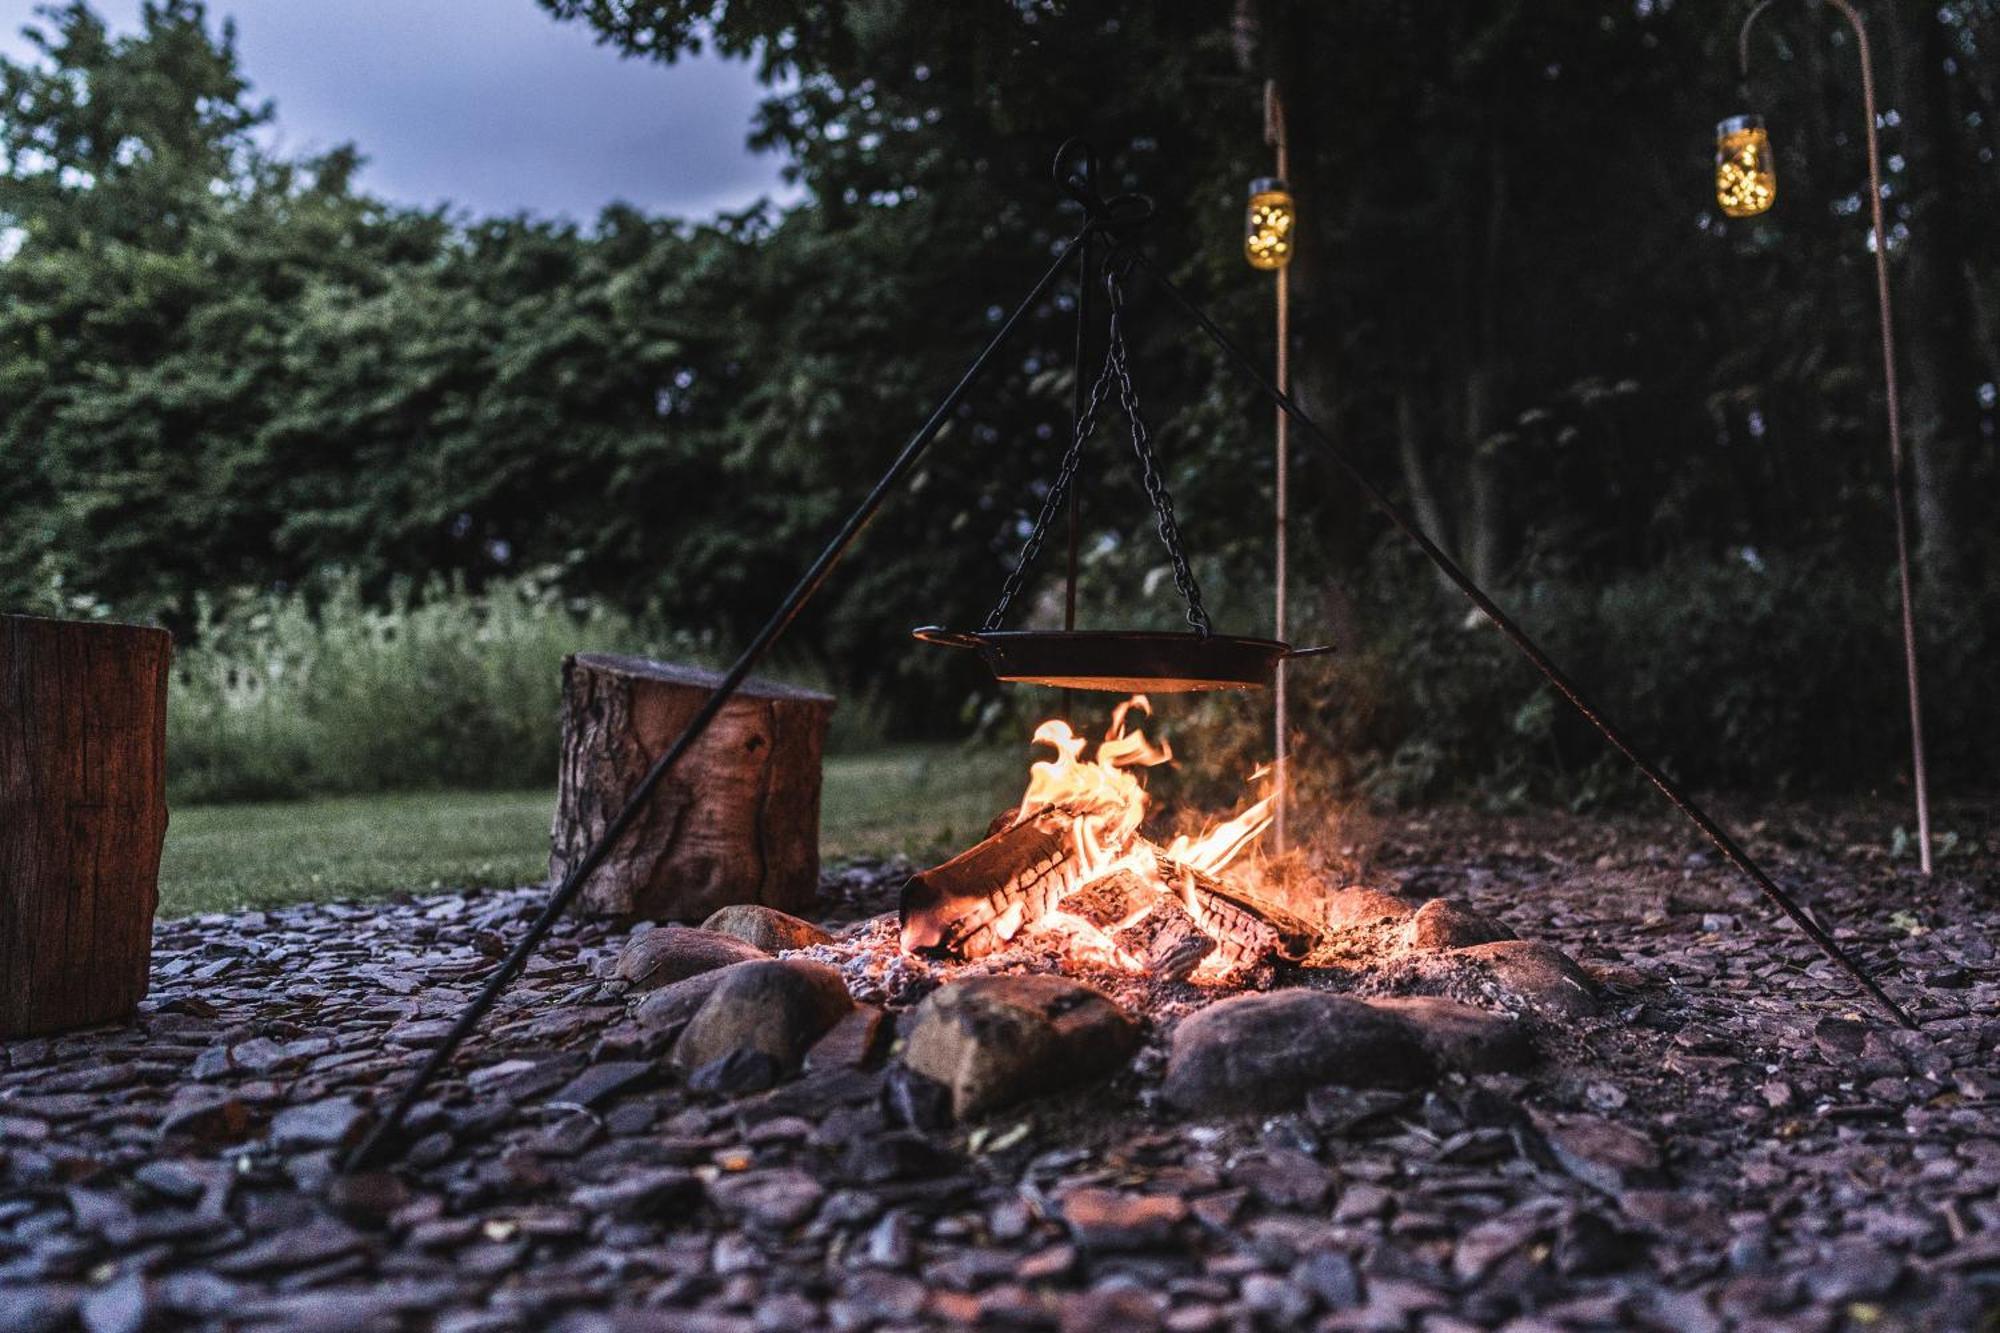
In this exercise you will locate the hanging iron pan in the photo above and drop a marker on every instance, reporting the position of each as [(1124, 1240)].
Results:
[(1124, 661)]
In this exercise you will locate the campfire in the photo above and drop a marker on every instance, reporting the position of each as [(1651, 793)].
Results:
[(1070, 866)]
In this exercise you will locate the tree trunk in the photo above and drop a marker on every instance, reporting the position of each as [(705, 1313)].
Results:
[(1482, 501), (1417, 470), (83, 814), (1484, 526), (737, 821), (1932, 316)]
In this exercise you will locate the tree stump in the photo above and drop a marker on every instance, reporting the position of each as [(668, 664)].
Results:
[(737, 821), (83, 814)]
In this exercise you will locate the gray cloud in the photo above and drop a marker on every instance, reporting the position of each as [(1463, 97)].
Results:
[(490, 105)]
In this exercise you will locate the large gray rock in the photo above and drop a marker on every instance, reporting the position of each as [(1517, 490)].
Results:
[(778, 1007), (857, 1041), (999, 1039), (666, 954), (766, 927), (1462, 1036), (681, 1000), (1444, 924), (1536, 976), (1263, 1052)]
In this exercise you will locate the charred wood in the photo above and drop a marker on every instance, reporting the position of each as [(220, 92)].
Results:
[(1140, 927), (1009, 884), (1246, 930), (1166, 941), (982, 898), (1112, 902)]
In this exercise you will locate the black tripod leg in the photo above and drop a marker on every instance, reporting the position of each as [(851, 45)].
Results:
[(780, 620), (1681, 801)]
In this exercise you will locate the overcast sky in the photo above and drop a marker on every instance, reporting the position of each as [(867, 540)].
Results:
[(489, 104)]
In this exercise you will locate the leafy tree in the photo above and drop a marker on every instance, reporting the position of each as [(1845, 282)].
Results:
[(159, 260)]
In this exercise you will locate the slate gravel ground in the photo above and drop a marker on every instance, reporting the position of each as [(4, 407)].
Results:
[(1734, 1142)]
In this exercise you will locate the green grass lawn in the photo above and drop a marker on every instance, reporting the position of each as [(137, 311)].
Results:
[(921, 800)]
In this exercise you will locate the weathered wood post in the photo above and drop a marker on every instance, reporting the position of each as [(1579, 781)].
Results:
[(83, 814), (736, 822)]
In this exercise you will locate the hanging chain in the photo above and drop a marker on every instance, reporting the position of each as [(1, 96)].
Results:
[(1117, 370), (1149, 466), (1051, 503)]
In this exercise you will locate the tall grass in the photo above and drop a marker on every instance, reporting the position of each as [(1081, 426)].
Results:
[(288, 695)]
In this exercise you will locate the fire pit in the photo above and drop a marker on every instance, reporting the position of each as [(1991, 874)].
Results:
[(1079, 941), (1071, 863)]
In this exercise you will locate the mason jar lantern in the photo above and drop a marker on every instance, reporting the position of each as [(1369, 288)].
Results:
[(1746, 177), (1268, 223)]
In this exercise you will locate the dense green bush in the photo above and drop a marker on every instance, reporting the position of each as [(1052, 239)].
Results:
[(321, 691)]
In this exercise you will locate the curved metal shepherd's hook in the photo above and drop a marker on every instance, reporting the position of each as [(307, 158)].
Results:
[(1896, 467)]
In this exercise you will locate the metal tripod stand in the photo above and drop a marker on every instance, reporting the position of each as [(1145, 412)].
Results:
[(1113, 220)]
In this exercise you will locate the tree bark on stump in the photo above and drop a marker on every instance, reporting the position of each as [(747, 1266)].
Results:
[(83, 814), (737, 821)]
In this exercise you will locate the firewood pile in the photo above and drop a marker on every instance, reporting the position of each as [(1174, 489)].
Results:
[(1136, 906)]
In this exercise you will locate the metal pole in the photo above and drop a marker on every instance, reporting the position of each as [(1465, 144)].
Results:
[(1918, 772), (1274, 134), (1681, 801), (780, 620), (1281, 724), (1896, 466)]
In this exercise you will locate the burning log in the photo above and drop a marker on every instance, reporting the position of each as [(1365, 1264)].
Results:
[(1012, 881), (1077, 864), (1246, 930), (1145, 928), (1166, 941), (976, 902), (1112, 902)]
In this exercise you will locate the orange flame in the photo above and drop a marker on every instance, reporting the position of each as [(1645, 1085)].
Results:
[(1217, 847), (1107, 802)]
